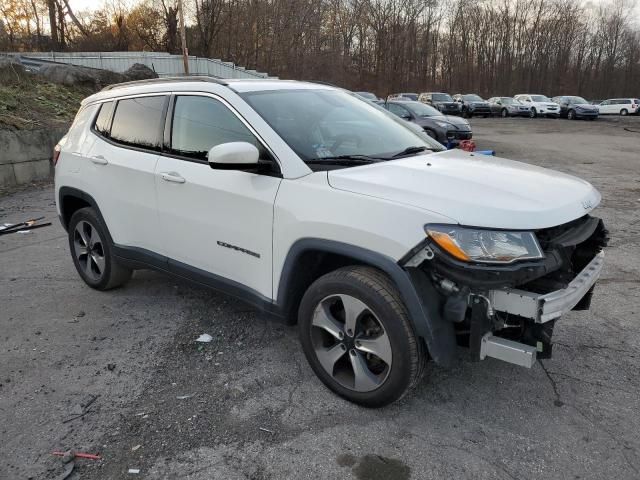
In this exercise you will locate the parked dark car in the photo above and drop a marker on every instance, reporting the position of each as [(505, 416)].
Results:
[(441, 101), (472, 105), (576, 107), (403, 96), (508, 107), (445, 129)]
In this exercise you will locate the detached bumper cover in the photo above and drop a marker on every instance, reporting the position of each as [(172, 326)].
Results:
[(545, 307)]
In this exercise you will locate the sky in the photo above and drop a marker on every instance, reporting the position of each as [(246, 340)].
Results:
[(84, 5)]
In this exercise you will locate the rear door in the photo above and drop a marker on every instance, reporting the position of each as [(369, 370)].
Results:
[(121, 168), (215, 223)]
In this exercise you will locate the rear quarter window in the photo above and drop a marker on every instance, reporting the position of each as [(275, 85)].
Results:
[(138, 122), (103, 120)]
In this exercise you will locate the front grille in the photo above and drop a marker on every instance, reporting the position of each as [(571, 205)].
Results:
[(577, 243), (458, 135)]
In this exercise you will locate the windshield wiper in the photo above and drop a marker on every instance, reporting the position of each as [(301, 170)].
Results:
[(345, 160), (410, 150)]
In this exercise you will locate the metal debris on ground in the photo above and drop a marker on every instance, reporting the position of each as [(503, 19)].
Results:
[(267, 430), (204, 338), (70, 455), (184, 397), (22, 227), (81, 409), (134, 470), (136, 447)]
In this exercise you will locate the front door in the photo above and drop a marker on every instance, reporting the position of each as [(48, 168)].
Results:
[(216, 221)]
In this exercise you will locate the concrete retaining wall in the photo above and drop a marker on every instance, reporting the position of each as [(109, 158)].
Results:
[(25, 155)]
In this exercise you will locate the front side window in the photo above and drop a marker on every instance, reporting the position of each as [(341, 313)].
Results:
[(321, 124), (137, 122), (398, 110), (422, 110), (200, 123)]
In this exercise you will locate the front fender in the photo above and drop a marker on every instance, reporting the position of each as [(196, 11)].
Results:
[(417, 292)]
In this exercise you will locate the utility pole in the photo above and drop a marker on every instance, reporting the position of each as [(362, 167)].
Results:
[(183, 36)]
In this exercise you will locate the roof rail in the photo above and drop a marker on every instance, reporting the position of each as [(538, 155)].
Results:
[(151, 81)]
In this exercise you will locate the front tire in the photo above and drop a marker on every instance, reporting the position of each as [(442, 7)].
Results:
[(357, 337), (571, 115), (504, 113), (533, 113), (624, 112), (92, 252)]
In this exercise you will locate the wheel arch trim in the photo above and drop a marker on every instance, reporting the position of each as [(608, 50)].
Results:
[(415, 290)]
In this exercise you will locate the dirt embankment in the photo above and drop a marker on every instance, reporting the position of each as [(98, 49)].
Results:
[(29, 102)]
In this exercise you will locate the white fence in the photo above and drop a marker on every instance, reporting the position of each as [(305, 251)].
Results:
[(164, 64)]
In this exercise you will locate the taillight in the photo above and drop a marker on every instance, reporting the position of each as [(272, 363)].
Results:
[(56, 154)]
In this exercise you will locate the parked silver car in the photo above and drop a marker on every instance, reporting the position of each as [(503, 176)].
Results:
[(508, 107)]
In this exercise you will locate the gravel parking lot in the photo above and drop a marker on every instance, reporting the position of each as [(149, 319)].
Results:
[(120, 373)]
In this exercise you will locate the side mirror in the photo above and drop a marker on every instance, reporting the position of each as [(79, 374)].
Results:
[(233, 156), (406, 116), (498, 102)]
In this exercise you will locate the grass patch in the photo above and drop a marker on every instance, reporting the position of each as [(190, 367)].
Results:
[(33, 103)]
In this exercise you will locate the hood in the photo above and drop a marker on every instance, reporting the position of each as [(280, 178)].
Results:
[(474, 189), (457, 121), (586, 106)]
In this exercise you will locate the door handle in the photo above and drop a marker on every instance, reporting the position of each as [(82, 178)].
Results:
[(99, 160), (172, 177)]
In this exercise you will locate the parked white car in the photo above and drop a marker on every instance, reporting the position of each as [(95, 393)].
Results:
[(620, 106), (318, 208), (540, 105)]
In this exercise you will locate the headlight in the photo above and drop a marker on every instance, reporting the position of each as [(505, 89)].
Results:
[(442, 124), (485, 246)]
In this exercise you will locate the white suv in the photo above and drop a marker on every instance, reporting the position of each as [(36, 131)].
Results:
[(539, 105), (321, 209)]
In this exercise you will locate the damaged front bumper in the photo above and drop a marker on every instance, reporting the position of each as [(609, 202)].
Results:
[(542, 308), (508, 312)]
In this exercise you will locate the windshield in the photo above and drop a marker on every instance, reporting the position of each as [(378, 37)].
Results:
[(472, 98), (540, 98), (442, 97), (367, 95), (421, 110), (509, 101), (577, 100), (412, 96), (323, 124)]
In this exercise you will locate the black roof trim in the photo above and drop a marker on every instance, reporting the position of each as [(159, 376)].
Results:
[(151, 81)]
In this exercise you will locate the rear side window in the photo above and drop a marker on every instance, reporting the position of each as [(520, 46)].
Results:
[(137, 122), (200, 123), (103, 121)]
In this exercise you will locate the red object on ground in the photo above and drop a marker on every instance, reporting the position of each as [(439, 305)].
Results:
[(468, 145), (90, 456)]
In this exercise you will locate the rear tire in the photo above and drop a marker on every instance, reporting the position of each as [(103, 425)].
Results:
[(92, 252), (355, 332)]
